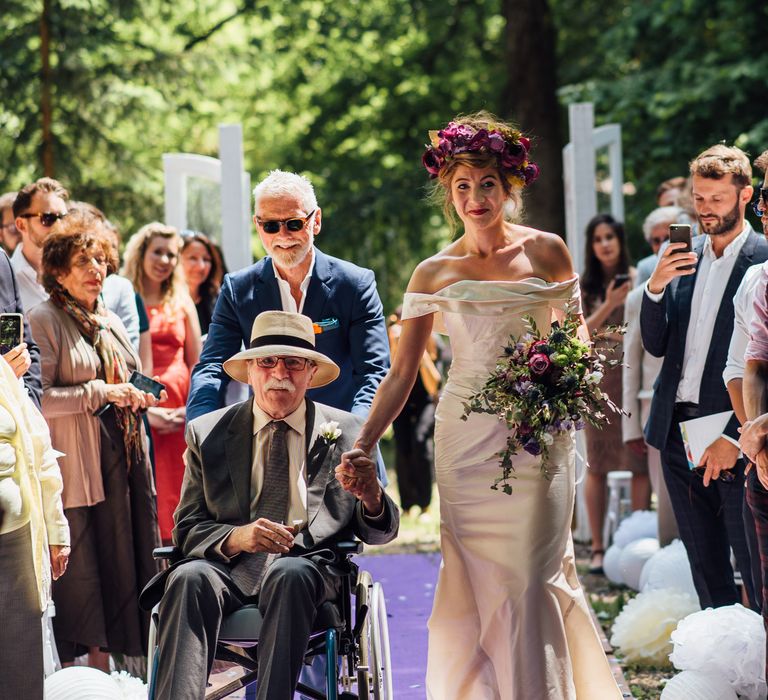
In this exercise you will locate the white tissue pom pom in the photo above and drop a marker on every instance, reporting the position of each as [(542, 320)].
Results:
[(642, 631), (611, 564), (728, 642), (669, 568), (81, 683), (634, 557), (694, 685), (132, 688), (640, 524)]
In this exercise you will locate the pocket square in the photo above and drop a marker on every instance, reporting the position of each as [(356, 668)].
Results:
[(327, 324)]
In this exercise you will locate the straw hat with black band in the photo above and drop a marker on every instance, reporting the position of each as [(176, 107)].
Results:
[(282, 334)]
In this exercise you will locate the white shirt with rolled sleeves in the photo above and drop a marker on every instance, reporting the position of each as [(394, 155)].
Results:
[(743, 314)]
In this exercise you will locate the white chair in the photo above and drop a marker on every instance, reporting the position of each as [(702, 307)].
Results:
[(619, 503)]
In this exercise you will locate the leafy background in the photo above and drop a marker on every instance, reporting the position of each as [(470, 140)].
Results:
[(345, 93)]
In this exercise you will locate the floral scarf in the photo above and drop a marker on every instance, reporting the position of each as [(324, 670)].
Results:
[(94, 325)]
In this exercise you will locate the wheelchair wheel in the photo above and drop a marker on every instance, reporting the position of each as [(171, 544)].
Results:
[(152, 654), (380, 657)]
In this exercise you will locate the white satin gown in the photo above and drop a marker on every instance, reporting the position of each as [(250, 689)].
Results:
[(510, 620)]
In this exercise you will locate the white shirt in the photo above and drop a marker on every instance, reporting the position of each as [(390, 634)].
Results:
[(31, 291), (297, 457), (711, 281), (743, 313), (286, 299)]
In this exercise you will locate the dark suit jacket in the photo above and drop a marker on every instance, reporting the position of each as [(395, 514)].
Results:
[(10, 302), (664, 327), (338, 289), (215, 494)]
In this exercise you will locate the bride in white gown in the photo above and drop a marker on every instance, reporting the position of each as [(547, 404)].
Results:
[(510, 619)]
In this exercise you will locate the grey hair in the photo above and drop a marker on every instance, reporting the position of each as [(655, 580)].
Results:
[(283, 184), (660, 215)]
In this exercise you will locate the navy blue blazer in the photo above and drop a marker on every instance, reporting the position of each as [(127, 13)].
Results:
[(10, 302), (664, 326), (337, 290)]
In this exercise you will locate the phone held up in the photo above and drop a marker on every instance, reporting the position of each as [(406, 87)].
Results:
[(620, 280), (681, 233), (11, 332), (141, 382)]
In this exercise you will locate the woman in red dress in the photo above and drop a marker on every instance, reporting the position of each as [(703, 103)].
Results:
[(152, 264)]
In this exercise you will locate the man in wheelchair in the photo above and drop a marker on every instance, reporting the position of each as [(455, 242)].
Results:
[(251, 469)]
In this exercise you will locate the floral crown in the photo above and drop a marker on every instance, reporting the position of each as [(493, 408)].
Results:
[(508, 145)]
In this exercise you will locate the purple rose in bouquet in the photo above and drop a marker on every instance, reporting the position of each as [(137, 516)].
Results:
[(532, 447), (539, 364)]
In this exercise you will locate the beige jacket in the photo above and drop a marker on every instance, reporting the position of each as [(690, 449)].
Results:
[(71, 393), (31, 484)]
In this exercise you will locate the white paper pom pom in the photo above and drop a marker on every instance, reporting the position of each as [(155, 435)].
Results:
[(728, 642), (643, 629), (611, 564), (694, 685), (81, 683), (640, 524), (669, 568), (132, 688), (634, 557)]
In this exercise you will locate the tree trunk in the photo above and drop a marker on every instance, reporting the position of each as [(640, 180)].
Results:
[(530, 98), (45, 89)]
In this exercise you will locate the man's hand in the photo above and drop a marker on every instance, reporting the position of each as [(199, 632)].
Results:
[(165, 420), (637, 447), (721, 455), (357, 475), (59, 559), (19, 360), (260, 536), (667, 268), (753, 433)]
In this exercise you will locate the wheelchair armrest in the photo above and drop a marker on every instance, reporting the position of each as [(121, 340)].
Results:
[(172, 553), (348, 548)]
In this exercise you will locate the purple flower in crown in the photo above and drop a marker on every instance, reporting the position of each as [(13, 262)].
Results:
[(432, 162), (479, 141), (530, 173), (496, 142), (513, 156)]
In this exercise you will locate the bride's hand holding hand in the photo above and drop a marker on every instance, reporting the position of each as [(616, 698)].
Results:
[(357, 475)]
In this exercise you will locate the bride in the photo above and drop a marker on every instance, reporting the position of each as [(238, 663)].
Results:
[(510, 619)]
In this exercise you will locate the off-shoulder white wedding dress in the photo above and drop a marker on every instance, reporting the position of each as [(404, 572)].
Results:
[(510, 619)]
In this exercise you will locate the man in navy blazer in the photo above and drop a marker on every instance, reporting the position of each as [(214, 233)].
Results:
[(339, 297), (687, 317), (24, 359)]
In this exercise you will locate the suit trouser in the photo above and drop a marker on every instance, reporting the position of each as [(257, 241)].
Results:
[(413, 430), (757, 499), (711, 521), (197, 596)]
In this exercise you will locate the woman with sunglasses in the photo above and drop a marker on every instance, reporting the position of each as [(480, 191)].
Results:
[(151, 262), (203, 270)]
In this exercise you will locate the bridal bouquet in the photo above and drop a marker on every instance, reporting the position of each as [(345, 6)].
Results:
[(543, 386)]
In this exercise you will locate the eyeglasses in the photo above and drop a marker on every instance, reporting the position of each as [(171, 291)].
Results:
[(47, 218), (726, 475), (658, 240), (290, 224), (8, 226), (292, 364), (760, 205)]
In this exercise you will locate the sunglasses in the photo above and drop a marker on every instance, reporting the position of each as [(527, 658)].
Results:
[(726, 476), (292, 364), (47, 218), (294, 225), (760, 205)]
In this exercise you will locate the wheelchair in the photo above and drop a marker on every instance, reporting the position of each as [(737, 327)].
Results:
[(351, 633)]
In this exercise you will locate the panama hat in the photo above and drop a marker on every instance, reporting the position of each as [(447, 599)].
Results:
[(284, 334)]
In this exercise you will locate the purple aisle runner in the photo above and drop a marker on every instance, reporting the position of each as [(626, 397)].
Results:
[(409, 586)]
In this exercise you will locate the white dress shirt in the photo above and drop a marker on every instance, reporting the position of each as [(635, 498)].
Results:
[(711, 281), (31, 291), (286, 298), (743, 312), (297, 457)]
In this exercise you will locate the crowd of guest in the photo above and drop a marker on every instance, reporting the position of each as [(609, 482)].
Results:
[(694, 345)]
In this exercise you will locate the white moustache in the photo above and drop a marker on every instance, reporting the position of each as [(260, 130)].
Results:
[(280, 384)]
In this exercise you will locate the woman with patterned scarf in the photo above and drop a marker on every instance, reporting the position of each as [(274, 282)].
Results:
[(92, 411)]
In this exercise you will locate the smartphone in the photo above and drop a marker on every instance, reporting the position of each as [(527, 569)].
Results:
[(11, 331), (681, 233), (147, 384), (618, 280)]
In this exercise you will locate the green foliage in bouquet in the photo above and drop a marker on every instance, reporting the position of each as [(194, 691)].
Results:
[(543, 386)]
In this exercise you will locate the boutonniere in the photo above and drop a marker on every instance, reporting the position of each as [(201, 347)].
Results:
[(329, 431)]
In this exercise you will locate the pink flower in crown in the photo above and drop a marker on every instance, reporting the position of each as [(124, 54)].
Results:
[(530, 173), (432, 161), (513, 156), (496, 142)]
